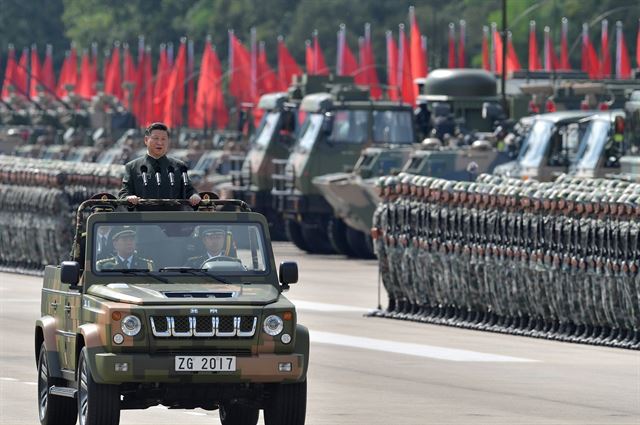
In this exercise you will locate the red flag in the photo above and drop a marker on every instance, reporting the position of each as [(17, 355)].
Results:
[(417, 54), (564, 46), (550, 59), (452, 46), (9, 73), (462, 61), (129, 66), (497, 49), (202, 113), (287, 66), (623, 63), (513, 63), (210, 110), (534, 62), (605, 56), (190, 81), (175, 88), (267, 79), (638, 46), (239, 70), (319, 64), (346, 63), (160, 87), (145, 95), (113, 77), (590, 62), (486, 65), (368, 65), (405, 78), (392, 68), (36, 72), (48, 76), (69, 72), (85, 86), (308, 58), (21, 76)]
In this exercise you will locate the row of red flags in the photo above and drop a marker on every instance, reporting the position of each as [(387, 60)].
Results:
[(165, 95)]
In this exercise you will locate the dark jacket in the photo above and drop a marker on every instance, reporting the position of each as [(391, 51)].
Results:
[(133, 182)]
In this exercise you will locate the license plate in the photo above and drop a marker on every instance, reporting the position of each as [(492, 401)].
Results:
[(205, 363)]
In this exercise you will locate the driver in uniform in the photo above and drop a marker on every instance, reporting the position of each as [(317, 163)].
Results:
[(216, 243)]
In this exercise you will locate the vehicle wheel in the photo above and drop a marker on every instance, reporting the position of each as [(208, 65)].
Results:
[(358, 243), (238, 414), (52, 410), (336, 231), (294, 234), (98, 404), (287, 405), (316, 241)]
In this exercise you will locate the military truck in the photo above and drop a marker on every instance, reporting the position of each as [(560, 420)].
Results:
[(179, 308), (550, 146), (337, 127), (602, 145)]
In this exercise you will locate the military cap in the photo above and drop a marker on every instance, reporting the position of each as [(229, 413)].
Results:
[(381, 181), (123, 231), (212, 230)]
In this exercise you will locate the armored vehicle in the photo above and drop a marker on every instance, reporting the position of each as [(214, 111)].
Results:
[(466, 99), (550, 146), (338, 126), (353, 195), (171, 307)]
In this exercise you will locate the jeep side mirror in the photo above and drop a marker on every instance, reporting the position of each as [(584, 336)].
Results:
[(288, 272), (70, 273)]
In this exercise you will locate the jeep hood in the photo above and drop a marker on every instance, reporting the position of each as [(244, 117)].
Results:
[(172, 294)]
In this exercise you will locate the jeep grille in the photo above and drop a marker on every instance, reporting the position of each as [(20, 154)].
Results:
[(204, 326)]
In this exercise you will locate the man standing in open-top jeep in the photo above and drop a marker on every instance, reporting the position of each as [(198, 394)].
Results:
[(156, 175)]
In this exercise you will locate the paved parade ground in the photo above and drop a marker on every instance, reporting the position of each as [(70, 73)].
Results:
[(369, 371)]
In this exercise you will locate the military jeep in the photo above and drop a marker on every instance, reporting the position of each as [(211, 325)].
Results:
[(172, 306)]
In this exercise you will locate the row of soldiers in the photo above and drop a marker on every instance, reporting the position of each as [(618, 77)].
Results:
[(38, 200), (557, 260)]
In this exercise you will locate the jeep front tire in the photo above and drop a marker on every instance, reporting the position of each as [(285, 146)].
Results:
[(98, 404), (52, 410), (287, 404)]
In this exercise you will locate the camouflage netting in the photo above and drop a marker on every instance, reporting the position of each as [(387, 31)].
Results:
[(38, 200), (554, 260)]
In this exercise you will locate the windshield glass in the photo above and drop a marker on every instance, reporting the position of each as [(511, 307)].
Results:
[(221, 248), (592, 144), (310, 130), (393, 127), (267, 128), (535, 144), (349, 126)]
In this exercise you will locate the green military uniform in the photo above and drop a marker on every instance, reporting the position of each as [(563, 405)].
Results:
[(133, 180), (116, 262)]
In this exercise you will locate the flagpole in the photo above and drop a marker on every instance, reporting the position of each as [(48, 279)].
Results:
[(503, 75)]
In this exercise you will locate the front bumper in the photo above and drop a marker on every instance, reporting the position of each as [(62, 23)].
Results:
[(145, 368)]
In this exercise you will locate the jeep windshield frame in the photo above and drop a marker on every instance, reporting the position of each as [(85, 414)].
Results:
[(253, 251)]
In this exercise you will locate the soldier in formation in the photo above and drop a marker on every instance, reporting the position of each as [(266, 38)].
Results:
[(38, 200), (555, 260)]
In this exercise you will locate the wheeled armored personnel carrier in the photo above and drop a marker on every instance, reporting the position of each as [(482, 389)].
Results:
[(166, 306)]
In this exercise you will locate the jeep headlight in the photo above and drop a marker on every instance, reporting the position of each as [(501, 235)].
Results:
[(131, 325), (273, 325)]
